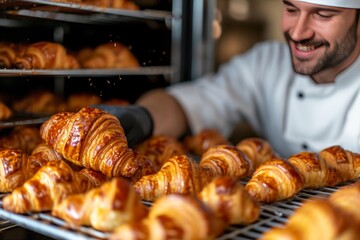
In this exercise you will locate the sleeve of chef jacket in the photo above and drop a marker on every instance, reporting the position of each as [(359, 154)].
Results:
[(233, 94)]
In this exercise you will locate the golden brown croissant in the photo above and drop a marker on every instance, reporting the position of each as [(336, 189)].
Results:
[(227, 198), (25, 138), (50, 185), (9, 52), (258, 150), (120, 4), (274, 180), (146, 166), (316, 219), (160, 148), (111, 55), (205, 139), (91, 138), (226, 160), (45, 55), (103, 208), (179, 174), (76, 101), (14, 169), (348, 199), (5, 111), (39, 102), (332, 166), (173, 217)]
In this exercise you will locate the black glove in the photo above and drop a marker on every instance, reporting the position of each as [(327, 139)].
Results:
[(135, 120)]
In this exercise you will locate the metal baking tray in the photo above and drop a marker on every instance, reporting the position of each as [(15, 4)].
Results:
[(156, 70), (272, 215), (61, 7)]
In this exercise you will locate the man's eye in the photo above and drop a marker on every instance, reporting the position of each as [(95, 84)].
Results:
[(323, 15), (290, 10)]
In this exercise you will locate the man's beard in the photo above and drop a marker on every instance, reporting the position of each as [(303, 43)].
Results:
[(330, 58)]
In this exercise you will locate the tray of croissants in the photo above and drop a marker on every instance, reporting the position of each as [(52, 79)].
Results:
[(52, 58), (75, 177), (77, 6)]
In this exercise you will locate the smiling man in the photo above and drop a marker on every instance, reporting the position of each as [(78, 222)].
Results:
[(302, 95)]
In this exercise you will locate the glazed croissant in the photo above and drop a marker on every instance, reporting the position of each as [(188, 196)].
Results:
[(51, 184), (173, 217), (205, 139), (45, 55), (227, 198), (332, 166), (226, 160), (14, 169), (93, 139), (179, 174), (316, 219), (25, 138), (274, 180), (111, 55), (160, 148), (146, 166), (5, 111), (103, 208), (258, 150), (9, 52)]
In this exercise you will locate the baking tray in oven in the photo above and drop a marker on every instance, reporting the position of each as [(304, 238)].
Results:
[(63, 7), (144, 71), (21, 121)]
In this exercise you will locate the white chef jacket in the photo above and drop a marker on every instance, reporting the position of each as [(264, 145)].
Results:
[(288, 109)]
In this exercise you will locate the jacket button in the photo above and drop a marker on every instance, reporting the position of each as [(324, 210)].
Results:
[(304, 146), (301, 95)]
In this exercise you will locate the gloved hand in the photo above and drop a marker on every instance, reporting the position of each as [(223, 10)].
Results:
[(135, 120)]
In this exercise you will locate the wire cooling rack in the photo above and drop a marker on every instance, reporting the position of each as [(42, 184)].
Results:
[(271, 215)]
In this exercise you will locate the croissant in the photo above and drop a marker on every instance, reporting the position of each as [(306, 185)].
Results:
[(146, 166), (173, 217), (160, 148), (258, 150), (25, 138), (14, 169), (103, 208), (39, 102), (76, 101), (91, 138), (274, 180), (348, 199), (9, 52), (205, 139), (332, 166), (226, 160), (179, 174), (51, 184), (111, 55), (227, 198), (5, 111), (316, 219), (45, 55), (120, 4)]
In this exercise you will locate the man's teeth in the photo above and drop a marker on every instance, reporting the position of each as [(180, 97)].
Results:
[(305, 48)]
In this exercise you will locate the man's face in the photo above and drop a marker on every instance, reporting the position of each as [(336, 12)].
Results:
[(319, 37)]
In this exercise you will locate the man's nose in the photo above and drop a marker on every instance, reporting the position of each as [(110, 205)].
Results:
[(302, 29)]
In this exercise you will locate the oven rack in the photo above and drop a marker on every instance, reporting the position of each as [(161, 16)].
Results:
[(271, 215), (51, 7)]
